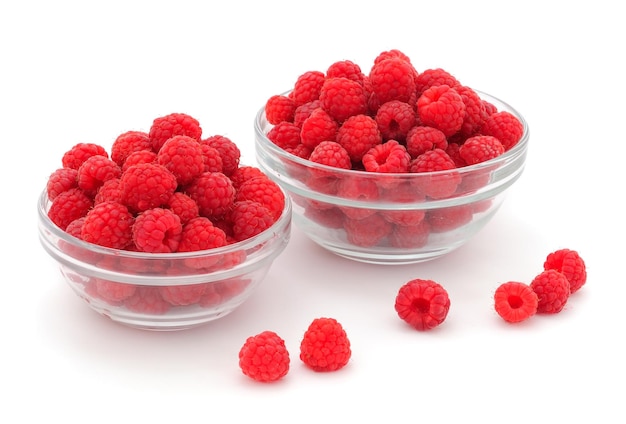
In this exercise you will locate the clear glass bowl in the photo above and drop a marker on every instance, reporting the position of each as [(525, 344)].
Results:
[(170, 291), (392, 220)]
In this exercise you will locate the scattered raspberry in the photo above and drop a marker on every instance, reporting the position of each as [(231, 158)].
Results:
[(184, 206), (393, 79), (389, 157), (423, 304), (342, 98), (357, 135), (213, 192), (228, 150), (325, 345), (515, 302), (421, 139), (94, 171), (552, 289), (480, 148), (318, 127), (570, 264), (264, 357), (249, 218), (165, 127), (279, 108), (183, 157), (308, 87), (61, 180), (146, 186), (127, 143), (505, 127), (264, 191), (68, 206), (441, 107), (108, 224), (331, 153), (395, 119), (157, 230), (80, 152)]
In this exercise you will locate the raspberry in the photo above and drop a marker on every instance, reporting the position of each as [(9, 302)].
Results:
[(285, 135), (94, 171), (141, 156), (331, 153), (552, 289), (264, 357), (157, 230), (213, 192), (249, 218), (182, 295), (570, 264), (108, 224), (318, 127), (75, 227), (264, 191), (307, 87), (127, 143), (453, 151), (80, 152), (165, 127), (325, 345), (342, 98), (388, 157), (432, 77), (447, 219), (211, 158), (392, 79), (410, 236), (184, 206), (421, 138), (395, 119), (147, 185), (423, 304), (304, 111), (505, 127), (441, 107), (200, 234), (182, 156), (345, 69), (110, 190), (228, 150), (438, 185), (147, 300), (474, 110), (68, 206), (368, 231), (390, 54), (480, 148), (245, 173), (357, 135), (515, 302), (61, 180), (357, 189), (113, 291), (279, 108)]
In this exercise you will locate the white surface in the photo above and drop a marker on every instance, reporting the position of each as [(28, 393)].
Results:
[(77, 72)]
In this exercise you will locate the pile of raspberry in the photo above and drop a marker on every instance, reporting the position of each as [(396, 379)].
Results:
[(392, 119), (171, 189)]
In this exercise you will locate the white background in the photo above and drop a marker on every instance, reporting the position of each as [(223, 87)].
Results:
[(86, 72)]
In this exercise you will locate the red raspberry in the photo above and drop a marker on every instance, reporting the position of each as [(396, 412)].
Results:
[(127, 143), (331, 153), (441, 107), (569, 263), (423, 304), (266, 192), (157, 230), (165, 127), (75, 227), (432, 77), (141, 156), (474, 110), (301, 151), (213, 192), (447, 219), (61, 180), (453, 151), (68, 206), (279, 108), (392, 79), (480, 148), (307, 87), (318, 127), (368, 231), (325, 345), (342, 98), (395, 119), (391, 54), (109, 191), (184, 206), (200, 234), (357, 135), (304, 111), (358, 189), (388, 157), (505, 127), (108, 224), (147, 185), (438, 185), (94, 171), (147, 300), (249, 218), (80, 152), (515, 302), (182, 295), (345, 69), (410, 236), (264, 357), (228, 150), (183, 157), (245, 173), (285, 135), (421, 138), (403, 193), (211, 158), (552, 289), (113, 291)]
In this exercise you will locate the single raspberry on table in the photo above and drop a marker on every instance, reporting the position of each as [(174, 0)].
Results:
[(422, 303), (395, 118), (505, 127), (264, 357), (165, 127), (325, 345), (552, 289), (61, 180), (80, 152), (569, 263), (388, 157), (422, 138), (94, 171), (441, 107), (213, 192), (307, 87), (279, 108), (228, 150), (68, 206), (480, 148), (358, 134), (318, 127), (147, 185), (127, 143), (183, 157), (108, 224), (393, 79), (342, 98), (249, 218), (157, 230), (515, 301)]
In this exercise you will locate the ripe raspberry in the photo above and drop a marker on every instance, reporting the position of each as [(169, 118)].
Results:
[(200, 234), (395, 119), (388, 157), (390, 54), (108, 224), (184, 206), (228, 150), (410, 236), (141, 156), (552, 289), (264, 357), (447, 219), (61, 180), (342, 98), (368, 231), (249, 218), (279, 108), (147, 185), (264, 191), (211, 158), (245, 173), (432, 77), (165, 127), (182, 295), (127, 143), (80, 152), (318, 127), (515, 302), (421, 138), (147, 300), (94, 171), (213, 192), (75, 227), (358, 189), (331, 153), (345, 69), (68, 206), (392, 79), (453, 151), (307, 87), (423, 304), (304, 111), (357, 135), (569, 263), (183, 157), (113, 291), (325, 345), (439, 185), (109, 191), (285, 135), (474, 110), (157, 230), (480, 148), (505, 127), (441, 107)]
